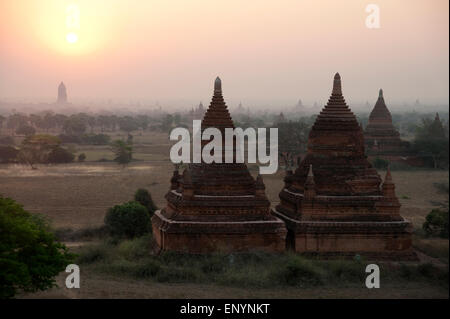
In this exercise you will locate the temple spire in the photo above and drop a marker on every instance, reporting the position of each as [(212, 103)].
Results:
[(380, 93), (218, 85), (437, 118), (337, 88)]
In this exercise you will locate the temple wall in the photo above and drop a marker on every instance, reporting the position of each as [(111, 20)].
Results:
[(353, 243), (194, 237), (207, 243)]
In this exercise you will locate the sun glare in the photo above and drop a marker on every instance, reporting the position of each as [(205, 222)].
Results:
[(71, 37)]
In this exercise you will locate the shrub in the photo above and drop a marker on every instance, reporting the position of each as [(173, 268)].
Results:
[(299, 271), (90, 254), (123, 152), (30, 256), (436, 223), (128, 220), (143, 197), (81, 157), (380, 163), (60, 155), (133, 249)]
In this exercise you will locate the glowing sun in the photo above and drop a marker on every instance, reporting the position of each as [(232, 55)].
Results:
[(71, 37)]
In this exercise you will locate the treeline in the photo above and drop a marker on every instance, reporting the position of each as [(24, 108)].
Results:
[(82, 123)]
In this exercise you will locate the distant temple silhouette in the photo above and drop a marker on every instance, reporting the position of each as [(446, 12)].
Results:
[(197, 114), (62, 94), (381, 137)]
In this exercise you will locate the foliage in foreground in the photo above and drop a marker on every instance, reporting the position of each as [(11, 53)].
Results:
[(30, 257), (123, 152), (143, 197), (127, 220), (133, 259), (436, 223)]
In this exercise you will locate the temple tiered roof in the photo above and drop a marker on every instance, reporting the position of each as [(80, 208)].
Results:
[(336, 150), (335, 203), (380, 134)]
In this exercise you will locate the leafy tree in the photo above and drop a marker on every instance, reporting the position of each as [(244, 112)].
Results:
[(16, 120), (26, 130), (436, 223), (167, 123), (74, 125), (8, 154), (128, 220), (36, 148), (30, 256), (128, 124), (122, 152), (58, 120), (143, 121), (95, 139), (292, 139), (143, 197), (2, 120), (432, 140), (81, 157), (92, 122), (60, 155)]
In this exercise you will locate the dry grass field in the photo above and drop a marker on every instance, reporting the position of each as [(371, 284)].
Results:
[(77, 196)]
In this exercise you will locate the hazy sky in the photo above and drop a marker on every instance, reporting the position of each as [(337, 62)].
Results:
[(277, 50)]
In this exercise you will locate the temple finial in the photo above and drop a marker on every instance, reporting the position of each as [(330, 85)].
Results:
[(337, 88), (218, 84), (380, 93), (437, 118)]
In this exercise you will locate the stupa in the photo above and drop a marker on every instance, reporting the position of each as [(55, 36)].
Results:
[(335, 203), (62, 94), (381, 137), (217, 206)]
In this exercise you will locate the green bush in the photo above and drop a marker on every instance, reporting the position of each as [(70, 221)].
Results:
[(299, 271), (60, 155), (436, 223), (380, 163), (91, 254), (81, 157), (128, 220), (30, 256), (133, 249), (143, 197)]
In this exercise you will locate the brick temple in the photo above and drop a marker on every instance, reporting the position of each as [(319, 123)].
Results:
[(381, 137), (217, 206), (335, 203)]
